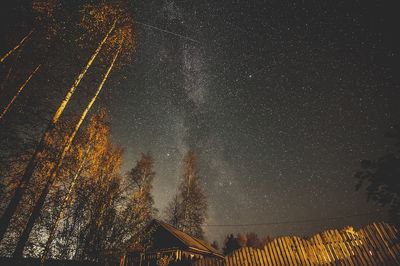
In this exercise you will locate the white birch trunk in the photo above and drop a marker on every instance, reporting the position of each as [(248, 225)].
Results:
[(66, 148), (4, 57), (80, 77), (18, 92)]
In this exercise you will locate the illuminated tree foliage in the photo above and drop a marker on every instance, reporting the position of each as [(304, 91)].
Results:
[(63, 195), (46, 162), (138, 201), (53, 172), (9, 211)]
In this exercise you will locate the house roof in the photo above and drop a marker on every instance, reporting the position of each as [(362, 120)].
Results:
[(190, 241)]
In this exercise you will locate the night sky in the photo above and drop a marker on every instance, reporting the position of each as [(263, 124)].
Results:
[(280, 99)]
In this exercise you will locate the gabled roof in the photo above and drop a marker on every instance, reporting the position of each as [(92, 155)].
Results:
[(190, 242)]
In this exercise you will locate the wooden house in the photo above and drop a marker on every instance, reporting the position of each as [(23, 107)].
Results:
[(163, 244)]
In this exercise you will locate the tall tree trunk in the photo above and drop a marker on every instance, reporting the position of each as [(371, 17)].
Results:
[(10, 70), (53, 173), (15, 47), (81, 75), (18, 92), (91, 242), (13, 204), (64, 204)]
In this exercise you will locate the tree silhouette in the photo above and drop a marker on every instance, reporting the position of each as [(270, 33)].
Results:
[(253, 240), (188, 210), (230, 244), (172, 212), (382, 177)]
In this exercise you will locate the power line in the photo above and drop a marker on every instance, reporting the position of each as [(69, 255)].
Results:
[(296, 221)]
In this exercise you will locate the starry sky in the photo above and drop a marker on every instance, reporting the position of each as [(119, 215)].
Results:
[(280, 100)]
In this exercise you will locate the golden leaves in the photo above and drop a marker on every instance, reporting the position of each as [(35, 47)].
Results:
[(45, 8), (97, 19), (44, 11)]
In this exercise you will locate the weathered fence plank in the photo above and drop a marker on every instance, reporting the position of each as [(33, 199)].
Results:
[(375, 244)]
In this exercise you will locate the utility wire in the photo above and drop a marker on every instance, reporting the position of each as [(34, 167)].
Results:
[(296, 221)]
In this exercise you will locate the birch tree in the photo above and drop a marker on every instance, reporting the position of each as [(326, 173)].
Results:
[(102, 210), (10, 210), (16, 47), (96, 133), (47, 159), (53, 173), (20, 89), (111, 26), (44, 31), (173, 212), (139, 203), (194, 201), (189, 212), (124, 32), (79, 193)]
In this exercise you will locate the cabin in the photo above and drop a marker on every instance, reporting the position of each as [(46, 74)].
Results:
[(163, 244)]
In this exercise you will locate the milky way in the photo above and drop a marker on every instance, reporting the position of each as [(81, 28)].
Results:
[(280, 100)]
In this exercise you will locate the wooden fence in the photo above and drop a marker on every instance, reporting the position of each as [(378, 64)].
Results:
[(375, 244)]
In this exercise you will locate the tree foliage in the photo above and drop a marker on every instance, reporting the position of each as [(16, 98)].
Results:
[(382, 178), (232, 242), (139, 207), (188, 209), (72, 201)]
